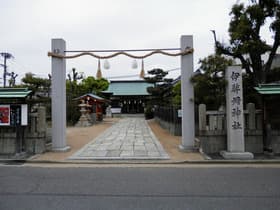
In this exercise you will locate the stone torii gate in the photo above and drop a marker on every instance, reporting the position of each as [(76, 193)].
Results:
[(58, 64)]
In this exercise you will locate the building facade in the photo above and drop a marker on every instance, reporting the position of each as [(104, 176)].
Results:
[(130, 96)]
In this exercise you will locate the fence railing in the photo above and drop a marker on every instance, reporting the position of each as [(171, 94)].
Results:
[(216, 120), (168, 113), (169, 118)]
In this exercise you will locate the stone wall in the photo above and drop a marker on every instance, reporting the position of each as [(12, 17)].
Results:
[(31, 139), (214, 141), (275, 141), (213, 137)]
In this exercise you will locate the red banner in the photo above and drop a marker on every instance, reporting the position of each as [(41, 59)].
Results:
[(4, 115)]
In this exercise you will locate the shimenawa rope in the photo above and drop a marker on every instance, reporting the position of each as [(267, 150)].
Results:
[(185, 52)]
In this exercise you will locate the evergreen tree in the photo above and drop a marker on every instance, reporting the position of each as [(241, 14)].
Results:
[(246, 43), (161, 91), (210, 84), (36, 84)]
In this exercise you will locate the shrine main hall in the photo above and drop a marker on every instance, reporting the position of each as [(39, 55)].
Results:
[(129, 95)]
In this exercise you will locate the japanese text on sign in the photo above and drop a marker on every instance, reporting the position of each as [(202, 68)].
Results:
[(235, 100)]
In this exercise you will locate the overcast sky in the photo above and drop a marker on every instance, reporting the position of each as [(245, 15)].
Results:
[(27, 27)]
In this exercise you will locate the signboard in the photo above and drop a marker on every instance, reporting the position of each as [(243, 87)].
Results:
[(14, 115), (180, 113), (116, 110), (24, 114), (4, 115)]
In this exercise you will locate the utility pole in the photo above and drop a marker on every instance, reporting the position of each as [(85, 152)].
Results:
[(5, 71), (215, 39), (6, 56)]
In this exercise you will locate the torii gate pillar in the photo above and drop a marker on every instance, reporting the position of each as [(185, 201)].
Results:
[(187, 96), (58, 46)]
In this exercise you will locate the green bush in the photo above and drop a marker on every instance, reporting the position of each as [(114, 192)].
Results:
[(149, 113)]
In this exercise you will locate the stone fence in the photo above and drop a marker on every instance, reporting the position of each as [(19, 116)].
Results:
[(212, 132), (30, 139)]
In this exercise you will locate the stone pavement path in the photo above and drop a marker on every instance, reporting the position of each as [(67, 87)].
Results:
[(129, 138)]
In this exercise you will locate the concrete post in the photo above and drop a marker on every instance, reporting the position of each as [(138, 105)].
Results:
[(202, 117), (59, 97), (212, 122), (221, 119), (251, 116), (188, 135), (41, 124), (235, 116)]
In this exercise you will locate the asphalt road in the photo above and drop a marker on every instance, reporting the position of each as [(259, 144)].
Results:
[(218, 188)]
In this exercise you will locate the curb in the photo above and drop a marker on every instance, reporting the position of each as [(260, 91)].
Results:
[(143, 162)]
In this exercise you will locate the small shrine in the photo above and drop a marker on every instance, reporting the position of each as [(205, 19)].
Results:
[(91, 108)]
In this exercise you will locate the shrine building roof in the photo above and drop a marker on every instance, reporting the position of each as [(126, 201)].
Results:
[(268, 89), (128, 88), (14, 92)]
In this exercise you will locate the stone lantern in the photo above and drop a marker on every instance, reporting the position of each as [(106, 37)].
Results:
[(84, 118)]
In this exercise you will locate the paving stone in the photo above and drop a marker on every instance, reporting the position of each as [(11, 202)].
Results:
[(127, 153), (86, 154), (114, 147), (129, 138), (140, 153), (162, 152), (99, 153), (154, 154), (113, 153), (127, 144), (138, 143), (98, 141), (139, 147), (150, 144), (151, 148), (125, 147), (117, 142), (94, 146), (90, 149)]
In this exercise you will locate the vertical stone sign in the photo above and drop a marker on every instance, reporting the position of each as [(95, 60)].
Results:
[(235, 128), (235, 116)]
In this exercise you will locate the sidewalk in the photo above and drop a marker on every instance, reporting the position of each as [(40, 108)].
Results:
[(77, 138)]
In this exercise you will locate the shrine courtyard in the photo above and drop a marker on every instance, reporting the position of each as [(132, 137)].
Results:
[(132, 139)]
